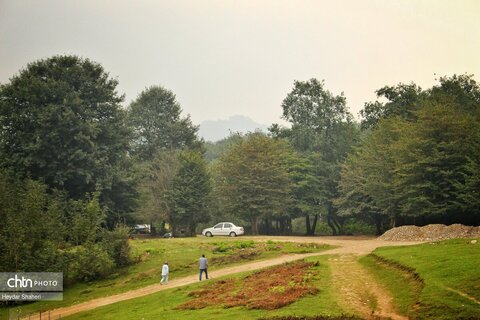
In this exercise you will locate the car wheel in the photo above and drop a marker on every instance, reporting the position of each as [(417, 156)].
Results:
[(233, 234), (208, 234)]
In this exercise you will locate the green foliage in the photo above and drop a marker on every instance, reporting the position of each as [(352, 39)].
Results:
[(156, 181), (402, 103), (27, 246), (116, 244), (368, 177), (434, 155), (188, 197), (421, 167), (89, 262), (62, 123), (224, 247), (66, 236), (253, 178), (86, 219), (157, 125), (214, 150), (323, 132)]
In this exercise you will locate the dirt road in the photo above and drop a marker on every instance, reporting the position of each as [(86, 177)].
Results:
[(346, 246)]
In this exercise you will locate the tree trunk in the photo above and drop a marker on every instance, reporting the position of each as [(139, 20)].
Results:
[(307, 224), (339, 224), (153, 230), (311, 228), (254, 223), (331, 225), (378, 224), (289, 225)]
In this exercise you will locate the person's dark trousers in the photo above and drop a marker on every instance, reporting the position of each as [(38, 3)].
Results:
[(206, 274)]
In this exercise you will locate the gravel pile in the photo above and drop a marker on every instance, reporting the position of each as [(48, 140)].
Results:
[(431, 232)]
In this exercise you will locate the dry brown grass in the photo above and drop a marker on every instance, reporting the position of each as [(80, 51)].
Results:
[(268, 289)]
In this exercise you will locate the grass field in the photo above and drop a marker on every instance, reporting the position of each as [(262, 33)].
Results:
[(437, 280), (182, 255), (165, 304)]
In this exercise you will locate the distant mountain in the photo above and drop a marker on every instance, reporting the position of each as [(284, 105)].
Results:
[(214, 130)]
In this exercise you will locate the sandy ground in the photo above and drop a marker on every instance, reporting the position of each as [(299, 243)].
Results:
[(350, 279)]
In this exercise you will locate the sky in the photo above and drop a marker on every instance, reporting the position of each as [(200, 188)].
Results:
[(232, 57)]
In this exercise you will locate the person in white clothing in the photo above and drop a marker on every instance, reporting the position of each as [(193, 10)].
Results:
[(164, 273)]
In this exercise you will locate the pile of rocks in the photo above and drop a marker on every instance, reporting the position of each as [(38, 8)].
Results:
[(431, 232)]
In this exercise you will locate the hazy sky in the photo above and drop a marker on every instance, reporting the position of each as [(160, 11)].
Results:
[(223, 58)]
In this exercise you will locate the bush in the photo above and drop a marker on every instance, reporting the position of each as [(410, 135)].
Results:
[(245, 244), (222, 247), (89, 262), (353, 226), (117, 246)]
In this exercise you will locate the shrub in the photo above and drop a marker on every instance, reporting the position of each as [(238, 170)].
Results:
[(89, 262), (117, 246)]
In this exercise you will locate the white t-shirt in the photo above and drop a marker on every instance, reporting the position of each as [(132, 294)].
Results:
[(165, 270)]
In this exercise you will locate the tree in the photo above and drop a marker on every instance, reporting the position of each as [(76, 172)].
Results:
[(322, 129), (157, 177), (462, 92), (27, 246), (315, 113), (419, 161), (436, 155), (254, 180), (368, 179), (188, 197), (61, 123), (306, 190), (402, 102), (157, 124)]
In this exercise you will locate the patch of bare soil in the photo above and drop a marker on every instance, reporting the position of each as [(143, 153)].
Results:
[(279, 286), (358, 291), (431, 232)]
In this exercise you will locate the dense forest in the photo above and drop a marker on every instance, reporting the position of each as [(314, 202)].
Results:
[(78, 167)]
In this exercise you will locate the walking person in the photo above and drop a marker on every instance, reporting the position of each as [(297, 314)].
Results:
[(164, 273), (203, 264)]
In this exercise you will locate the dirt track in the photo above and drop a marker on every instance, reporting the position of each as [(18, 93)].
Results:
[(347, 246)]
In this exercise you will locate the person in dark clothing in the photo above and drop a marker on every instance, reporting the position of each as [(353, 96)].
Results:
[(203, 265)]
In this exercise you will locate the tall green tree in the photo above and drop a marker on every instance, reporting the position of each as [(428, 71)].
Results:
[(418, 163), (61, 123), (156, 182), (306, 190), (436, 153), (155, 117), (321, 129), (402, 101), (27, 246), (254, 180), (189, 195), (368, 177)]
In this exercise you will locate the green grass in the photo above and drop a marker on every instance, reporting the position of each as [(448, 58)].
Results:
[(441, 266), (162, 305), (182, 255)]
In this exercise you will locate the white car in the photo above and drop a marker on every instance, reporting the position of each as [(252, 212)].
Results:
[(223, 229)]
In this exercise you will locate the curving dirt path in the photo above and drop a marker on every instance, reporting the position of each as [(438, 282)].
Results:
[(358, 292), (348, 247)]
